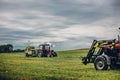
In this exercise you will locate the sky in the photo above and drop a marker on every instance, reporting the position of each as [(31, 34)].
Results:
[(68, 24)]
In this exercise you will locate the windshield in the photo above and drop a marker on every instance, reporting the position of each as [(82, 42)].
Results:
[(47, 47), (40, 47)]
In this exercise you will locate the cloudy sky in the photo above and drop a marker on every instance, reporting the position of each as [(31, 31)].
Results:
[(69, 24)]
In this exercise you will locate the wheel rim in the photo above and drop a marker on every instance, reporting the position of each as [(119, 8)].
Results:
[(100, 65)]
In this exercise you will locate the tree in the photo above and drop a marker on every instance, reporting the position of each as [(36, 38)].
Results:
[(6, 48)]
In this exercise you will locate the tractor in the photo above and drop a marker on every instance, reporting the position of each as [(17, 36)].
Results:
[(46, 51), (104, 54)]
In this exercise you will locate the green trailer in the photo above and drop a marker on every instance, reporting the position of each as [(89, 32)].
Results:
[(30, 51)]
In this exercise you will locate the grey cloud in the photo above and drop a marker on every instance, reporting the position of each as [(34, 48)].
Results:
[(116, 7), (69, 9), (77, 11), (84, 13), (116, 3), (23, 20)]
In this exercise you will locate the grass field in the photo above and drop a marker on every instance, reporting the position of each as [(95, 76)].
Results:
[(67, 66)]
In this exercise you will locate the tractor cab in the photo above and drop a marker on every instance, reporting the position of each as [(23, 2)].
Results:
[(45, 48), (46, 51)]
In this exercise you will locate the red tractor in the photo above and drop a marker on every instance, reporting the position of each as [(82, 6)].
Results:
[(46, 51), (104, 53)]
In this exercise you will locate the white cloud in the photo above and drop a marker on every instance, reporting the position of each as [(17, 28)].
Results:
[(76, 31)]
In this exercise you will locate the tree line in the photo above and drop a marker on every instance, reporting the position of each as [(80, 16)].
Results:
[(6, 48)]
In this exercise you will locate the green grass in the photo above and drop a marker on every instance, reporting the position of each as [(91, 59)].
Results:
[(67, 66)]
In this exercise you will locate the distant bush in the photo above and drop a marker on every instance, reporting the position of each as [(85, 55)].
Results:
[(6, 48)]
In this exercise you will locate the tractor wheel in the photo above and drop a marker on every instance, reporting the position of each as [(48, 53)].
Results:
[(100, 63), (26, 55), (54, 54)]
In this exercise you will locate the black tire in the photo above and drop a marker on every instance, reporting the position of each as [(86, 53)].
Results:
[(54, 54), (100, 63), (26, 55)]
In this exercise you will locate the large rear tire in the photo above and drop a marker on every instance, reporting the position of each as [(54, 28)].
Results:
[(100, 63)]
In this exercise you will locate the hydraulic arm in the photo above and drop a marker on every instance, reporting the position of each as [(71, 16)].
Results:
[(96, 44)]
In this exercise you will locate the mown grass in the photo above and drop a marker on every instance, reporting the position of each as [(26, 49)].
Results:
[(67, 66)]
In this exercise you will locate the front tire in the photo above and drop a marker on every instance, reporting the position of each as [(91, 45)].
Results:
[(54, 54), (100, 63)]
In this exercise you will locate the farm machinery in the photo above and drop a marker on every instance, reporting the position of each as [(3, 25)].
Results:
[(44, 50), (104, 53), (30, 51)]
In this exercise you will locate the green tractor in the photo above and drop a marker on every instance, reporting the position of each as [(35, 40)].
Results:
[(30, 51)]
